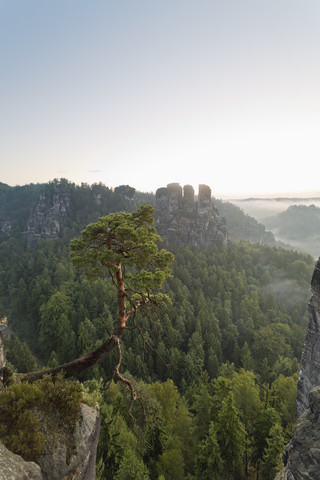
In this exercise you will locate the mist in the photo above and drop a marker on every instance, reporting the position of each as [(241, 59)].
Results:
[(302, 236), (262, 208)]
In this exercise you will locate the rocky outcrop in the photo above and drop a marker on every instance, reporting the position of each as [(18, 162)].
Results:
[(243, 227), (6, 227), (180, 218), (66, 457), (79, 463), (47, 220), (2, 358), (302, 456), (13, 467), (309, 376), (127, 193), (60, 463)]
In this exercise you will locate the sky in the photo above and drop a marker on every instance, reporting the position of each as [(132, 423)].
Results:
[(146, 92)]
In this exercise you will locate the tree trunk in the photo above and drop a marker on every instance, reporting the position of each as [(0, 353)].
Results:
[(77, 366)]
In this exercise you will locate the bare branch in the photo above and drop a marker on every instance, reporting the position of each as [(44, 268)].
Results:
[(105, 325)]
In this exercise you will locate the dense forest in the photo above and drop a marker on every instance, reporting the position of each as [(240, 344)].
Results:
[(215, 370)]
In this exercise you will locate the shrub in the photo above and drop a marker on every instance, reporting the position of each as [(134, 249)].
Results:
[(29, 411)]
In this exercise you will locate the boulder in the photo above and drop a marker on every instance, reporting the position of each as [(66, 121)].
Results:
[(75, 462), (13, 467), (66, 460)]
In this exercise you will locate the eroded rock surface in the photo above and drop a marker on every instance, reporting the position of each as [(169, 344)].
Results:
[(302, 455), (76, 463), (13, 467), (310, 361), (47, 220), (65, 462), (181, 218)]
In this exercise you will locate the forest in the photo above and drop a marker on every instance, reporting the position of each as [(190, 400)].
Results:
[(215, 369)]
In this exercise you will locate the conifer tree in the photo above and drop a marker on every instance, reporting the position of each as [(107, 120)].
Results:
[(123, 246)]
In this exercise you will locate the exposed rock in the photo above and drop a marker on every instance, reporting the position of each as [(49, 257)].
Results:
[(6, 227), (2, 358), (302, 456), (127, 193), (182, 219), (310, 361), (13, 467), (66, 461), (48, 218), (243, 227), (79, 463)]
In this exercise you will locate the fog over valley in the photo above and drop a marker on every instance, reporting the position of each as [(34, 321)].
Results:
[(294, 221)]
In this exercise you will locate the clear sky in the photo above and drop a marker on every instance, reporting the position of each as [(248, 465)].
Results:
[(148, 92)]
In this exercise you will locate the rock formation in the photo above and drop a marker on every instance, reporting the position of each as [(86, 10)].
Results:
[(13, 467), (243, 227), (60, 461), (310, 361), (59, 464), (180, 218), (2, 358), (80, 463), (47, 220), (302, 456), (127, 194)]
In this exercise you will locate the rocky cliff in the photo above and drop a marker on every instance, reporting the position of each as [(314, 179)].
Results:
[(59, 461), (181, 218), (13, 467), (47, 219), (243, 227), (310, 361), (2, 358), (58, 464), (57, 209), (302, 456)]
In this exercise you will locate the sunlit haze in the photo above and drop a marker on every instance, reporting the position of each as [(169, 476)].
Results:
[(147, 93)]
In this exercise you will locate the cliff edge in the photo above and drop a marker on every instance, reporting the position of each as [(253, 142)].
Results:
[(302, 455), (183, 219), (309, 376)]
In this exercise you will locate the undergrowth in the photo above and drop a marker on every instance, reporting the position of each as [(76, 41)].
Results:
[(33, 415)]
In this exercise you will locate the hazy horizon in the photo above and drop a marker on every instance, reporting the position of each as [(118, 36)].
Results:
[(135, 93), (240, 199)]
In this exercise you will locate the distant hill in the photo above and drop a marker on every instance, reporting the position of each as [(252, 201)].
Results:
[(242, 226), (55, 209), (299, 225), (61, 209)]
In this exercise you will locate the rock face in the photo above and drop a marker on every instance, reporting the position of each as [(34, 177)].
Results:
[(47, 220), (127, 193), (80, 463), (13, 467), (60, 464), (180, 218), (5, 228), (243, 227), (302, 456), (310, 361), (2, 358)]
